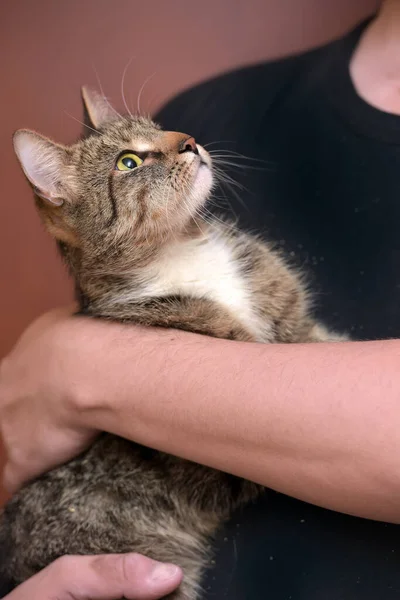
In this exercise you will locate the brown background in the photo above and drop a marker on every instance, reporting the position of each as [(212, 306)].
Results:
[(49, 48)]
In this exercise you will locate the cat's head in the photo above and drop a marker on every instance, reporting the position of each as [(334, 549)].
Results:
[(127, 183)]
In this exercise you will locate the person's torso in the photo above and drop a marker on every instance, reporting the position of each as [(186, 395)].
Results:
[(328, 192)]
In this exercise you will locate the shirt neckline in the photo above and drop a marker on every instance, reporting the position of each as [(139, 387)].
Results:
[(343, 96)]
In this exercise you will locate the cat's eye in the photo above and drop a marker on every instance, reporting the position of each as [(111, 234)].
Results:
[(128, 161)]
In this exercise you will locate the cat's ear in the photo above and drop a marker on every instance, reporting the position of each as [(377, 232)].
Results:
[(47, 167), (44, 164), (97, 108)]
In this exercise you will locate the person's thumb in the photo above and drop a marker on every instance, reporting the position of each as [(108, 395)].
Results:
[(105, 577)]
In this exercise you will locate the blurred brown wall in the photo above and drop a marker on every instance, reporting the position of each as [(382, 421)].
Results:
[(49, 48)]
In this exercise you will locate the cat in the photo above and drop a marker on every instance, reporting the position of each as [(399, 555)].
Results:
[(125, 205)]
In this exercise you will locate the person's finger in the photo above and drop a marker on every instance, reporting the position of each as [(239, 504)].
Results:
[(105, 577)]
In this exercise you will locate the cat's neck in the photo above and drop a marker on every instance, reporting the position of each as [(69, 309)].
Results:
[(109, 277), (204, 266)]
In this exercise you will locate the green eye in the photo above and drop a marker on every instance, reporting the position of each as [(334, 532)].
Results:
[(128, 161)]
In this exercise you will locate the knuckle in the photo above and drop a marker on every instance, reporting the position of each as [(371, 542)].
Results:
[(118, 568), (64, 567)]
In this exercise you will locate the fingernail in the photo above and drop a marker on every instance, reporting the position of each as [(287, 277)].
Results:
[(164, 572)]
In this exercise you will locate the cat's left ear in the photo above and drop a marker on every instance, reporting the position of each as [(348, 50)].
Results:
[(44, 164), (98, 109)]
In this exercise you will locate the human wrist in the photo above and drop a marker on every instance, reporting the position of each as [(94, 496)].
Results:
[(140, 387), (117, 370), (69, 347)]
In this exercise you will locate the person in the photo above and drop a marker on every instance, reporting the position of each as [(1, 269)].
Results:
[(318, 424), (130, 576)]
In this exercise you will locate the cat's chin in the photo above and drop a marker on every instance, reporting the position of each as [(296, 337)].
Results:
[(202, 184)]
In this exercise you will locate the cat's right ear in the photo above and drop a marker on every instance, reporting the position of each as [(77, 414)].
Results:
[(44, 164), (49, 170), (98, 110)]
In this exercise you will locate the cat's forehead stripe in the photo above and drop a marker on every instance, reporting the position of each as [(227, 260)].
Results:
[(140, 145)]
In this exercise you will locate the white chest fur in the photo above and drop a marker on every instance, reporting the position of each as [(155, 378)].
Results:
[(202, 268)]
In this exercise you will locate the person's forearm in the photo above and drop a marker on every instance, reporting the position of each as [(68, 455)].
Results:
[(319, 422)]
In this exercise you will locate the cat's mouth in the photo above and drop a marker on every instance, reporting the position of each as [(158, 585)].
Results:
[(196, 177), (203, 180), (203, 164), (204, 157)]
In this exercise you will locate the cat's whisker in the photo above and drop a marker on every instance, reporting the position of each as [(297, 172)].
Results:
[(233, 154), (226, 202), (194, 219), (223, 201), (79, 121), (184, 184), (103, 94), (123, 85), (209, 217), (207, 213), (186, 181), (167, 190), (224, 177), (219, 165), (218, 142), (183, 199), (146, 81), (226, 205), (225, 159), (229, 163), (236, 194), (204, 212)]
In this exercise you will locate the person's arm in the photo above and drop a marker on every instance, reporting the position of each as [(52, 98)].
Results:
[(105, 577), (319, 422)]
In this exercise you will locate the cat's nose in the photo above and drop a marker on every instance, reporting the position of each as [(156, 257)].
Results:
[(176, 142), (188, 145)]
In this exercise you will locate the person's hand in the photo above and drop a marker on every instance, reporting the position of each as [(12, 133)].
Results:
[(106, 577), (36, 416)]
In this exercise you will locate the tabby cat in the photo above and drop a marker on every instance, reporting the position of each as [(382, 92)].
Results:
[(125, 205)]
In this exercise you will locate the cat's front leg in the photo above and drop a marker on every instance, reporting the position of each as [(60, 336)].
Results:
[(198, 315)]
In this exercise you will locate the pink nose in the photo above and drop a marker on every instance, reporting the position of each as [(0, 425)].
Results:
[(188, 145)]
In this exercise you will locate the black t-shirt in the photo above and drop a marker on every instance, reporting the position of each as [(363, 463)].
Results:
[(329, 194)]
